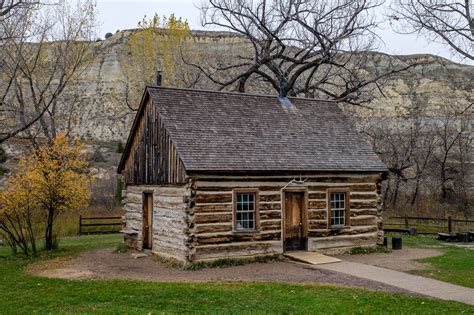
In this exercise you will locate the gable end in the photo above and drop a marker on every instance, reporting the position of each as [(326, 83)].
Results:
[(150, 157)]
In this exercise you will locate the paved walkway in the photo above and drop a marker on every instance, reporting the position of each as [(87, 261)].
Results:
[(421, 285)]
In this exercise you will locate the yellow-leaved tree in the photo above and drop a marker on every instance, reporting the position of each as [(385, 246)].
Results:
[(48, 181), (155, 45)]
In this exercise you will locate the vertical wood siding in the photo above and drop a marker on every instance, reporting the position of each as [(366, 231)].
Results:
[(153, 158)]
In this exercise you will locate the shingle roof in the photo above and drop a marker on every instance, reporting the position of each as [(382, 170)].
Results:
[(221, 131)]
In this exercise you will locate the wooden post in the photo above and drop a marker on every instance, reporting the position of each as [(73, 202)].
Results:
[(406, 221), (80, 224), (450, 224)]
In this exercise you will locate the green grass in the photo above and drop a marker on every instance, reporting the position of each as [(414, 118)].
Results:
[(23, 294), (369, 250), (456, 265)]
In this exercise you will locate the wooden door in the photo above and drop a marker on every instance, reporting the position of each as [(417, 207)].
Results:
[(147, 221), (295, 233)]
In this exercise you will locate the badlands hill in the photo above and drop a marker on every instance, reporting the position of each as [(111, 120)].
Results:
[(102, 113)]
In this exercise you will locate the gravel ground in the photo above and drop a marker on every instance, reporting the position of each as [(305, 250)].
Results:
[(106, 264), (401, 260)]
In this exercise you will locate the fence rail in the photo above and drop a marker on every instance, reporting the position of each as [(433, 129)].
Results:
[(440, 224), (89, 225)]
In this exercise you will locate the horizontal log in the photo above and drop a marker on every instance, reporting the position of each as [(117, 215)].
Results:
[(269, 206), (318, 204), (269, 215), (236, 237), (342, 241), (357, 212), (352, 230), (317, 214), (273, 225), (363, 220), (213, 218), (317, 195), (158, 190), (220, 198), (167, 205), (164, 213), (131, 207), (319, 233), (237, 249), (264, 198), (317, 224), (363, 196), (212, 208), (213, 228), (362, 205)]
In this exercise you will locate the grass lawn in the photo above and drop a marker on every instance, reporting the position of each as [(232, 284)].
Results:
[(21, 293), (456, 265)]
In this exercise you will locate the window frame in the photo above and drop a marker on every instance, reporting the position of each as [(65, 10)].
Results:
[(256, 209), (347, 210)]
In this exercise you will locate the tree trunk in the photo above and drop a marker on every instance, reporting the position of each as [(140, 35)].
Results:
[(48, 237)]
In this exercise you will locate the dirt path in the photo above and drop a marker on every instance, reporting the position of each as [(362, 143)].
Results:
[(401, 260), (105, 264)]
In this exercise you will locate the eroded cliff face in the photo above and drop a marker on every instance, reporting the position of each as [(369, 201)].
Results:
[(101, 112)]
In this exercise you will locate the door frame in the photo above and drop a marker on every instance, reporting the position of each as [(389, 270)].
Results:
[(304, 210), (145, 195)]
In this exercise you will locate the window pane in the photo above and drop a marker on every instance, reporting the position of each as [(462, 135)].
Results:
[(245, 211), (338, 209)]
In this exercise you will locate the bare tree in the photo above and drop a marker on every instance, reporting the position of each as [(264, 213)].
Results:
[(45, 47), (311, 48), (454, 148), (449, 22), (9, 7)]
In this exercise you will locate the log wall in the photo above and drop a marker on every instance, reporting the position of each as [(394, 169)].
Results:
[(194, 222), (211, 215), (170, 225), (151, 156)]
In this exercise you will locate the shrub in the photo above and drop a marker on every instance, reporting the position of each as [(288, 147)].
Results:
[(118, 190), (108, 35), (120, 147), (3, 170), (121, 248), (3, 155), (97, 156)]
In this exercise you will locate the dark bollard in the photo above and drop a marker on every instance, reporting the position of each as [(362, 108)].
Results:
[(385, 241), (396, 242), (463, 237)]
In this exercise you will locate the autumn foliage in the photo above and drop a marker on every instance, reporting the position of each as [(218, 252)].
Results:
[(50, 180)]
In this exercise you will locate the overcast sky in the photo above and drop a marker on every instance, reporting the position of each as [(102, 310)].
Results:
[(124, 14)]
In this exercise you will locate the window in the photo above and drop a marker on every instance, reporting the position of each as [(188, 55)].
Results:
[(245, 214), (339, 213)]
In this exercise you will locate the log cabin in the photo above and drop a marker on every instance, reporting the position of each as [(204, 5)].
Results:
[(212, 175)]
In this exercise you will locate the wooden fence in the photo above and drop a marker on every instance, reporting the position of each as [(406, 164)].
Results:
[(100, 225), (428, 225)]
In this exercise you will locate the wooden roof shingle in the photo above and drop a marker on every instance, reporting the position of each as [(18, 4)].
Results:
[(223, 131)]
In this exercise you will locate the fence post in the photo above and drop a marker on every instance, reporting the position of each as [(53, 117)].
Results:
[(406, 221), (450, 224), (80, 224)]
